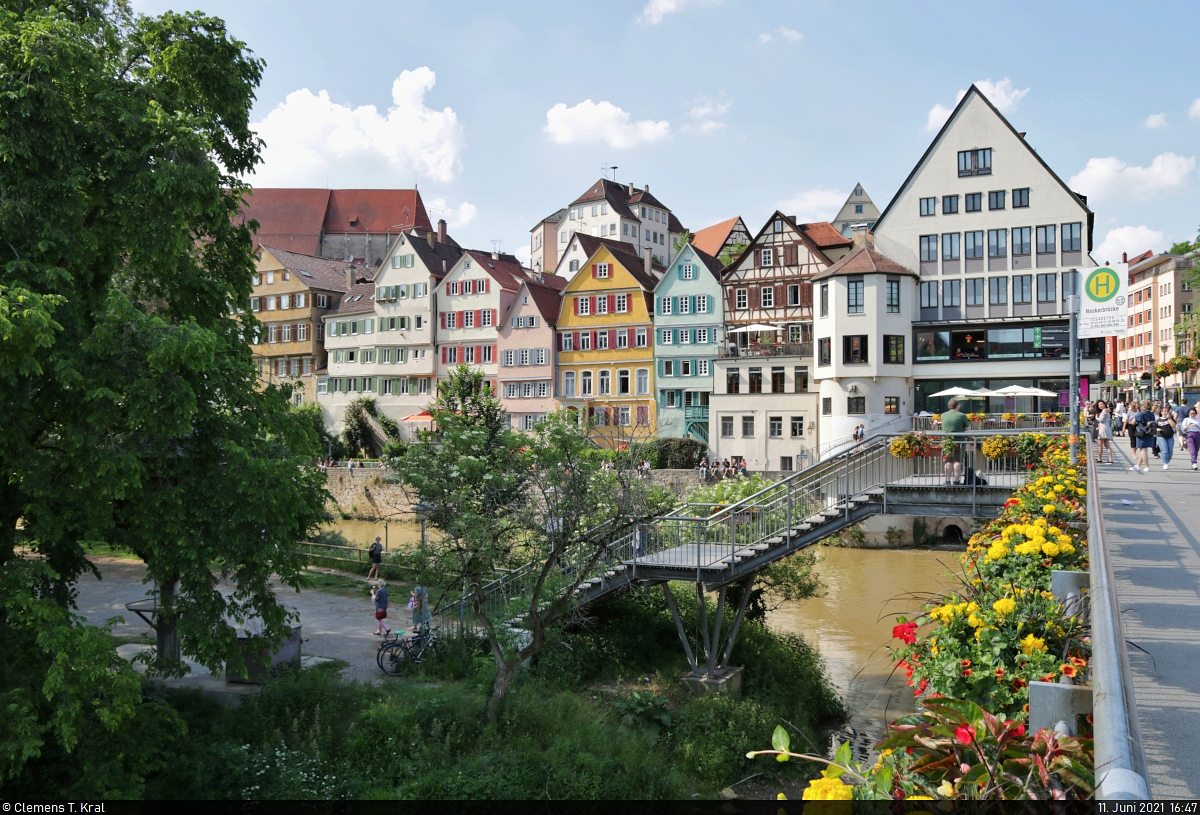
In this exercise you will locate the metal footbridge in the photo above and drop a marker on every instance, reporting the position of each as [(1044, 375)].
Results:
[(714, 546)]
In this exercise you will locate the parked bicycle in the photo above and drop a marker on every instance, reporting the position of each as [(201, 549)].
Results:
[(396, 651)]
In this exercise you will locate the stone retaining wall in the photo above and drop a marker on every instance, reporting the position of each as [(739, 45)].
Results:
[(365, 495)]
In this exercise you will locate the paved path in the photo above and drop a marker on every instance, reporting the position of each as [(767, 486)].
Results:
[(1155, 550), (333, 626)]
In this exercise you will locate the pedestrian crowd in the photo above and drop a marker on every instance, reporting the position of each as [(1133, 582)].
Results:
[(1152, 428)]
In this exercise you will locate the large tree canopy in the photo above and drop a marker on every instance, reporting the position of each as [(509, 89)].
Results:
[(130, 407)]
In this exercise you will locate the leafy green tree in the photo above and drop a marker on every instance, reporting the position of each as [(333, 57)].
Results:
[(131, 406), (528, 504)]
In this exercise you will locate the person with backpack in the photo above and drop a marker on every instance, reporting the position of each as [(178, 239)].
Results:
[(1166, 425), (1144, 433), (953, 421), (375, 554)]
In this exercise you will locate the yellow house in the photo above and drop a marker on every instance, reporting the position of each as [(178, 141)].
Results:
[(605, 346)]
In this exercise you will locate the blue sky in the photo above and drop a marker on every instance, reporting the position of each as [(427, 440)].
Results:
[(503, 112)]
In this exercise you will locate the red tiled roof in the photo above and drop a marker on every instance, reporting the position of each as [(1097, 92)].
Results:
[(375, 211), (1149, 253), (548, 299), (287, 218), (864, 261), (590, 243), (824, 234), (710, 239), (507, 272)]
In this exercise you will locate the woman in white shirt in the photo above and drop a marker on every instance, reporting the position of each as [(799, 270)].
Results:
[(1104, 434), (1190, 428), (1119, 419)]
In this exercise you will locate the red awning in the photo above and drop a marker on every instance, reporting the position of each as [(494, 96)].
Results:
[(423, 416)]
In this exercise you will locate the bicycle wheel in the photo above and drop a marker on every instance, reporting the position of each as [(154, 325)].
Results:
[(392, 657)]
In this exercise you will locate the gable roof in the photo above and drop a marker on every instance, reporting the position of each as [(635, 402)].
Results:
[(376, 211), (805, 239), (433, 256), (552, 218), (623, 198), (937, 139), (506, 270), (709, 262), (359, 300), (547, 298), (1134, 261), (864, 261), (315, 272), (590, 243), (289, 219), (712, 238), (824, 234), (636, 267)]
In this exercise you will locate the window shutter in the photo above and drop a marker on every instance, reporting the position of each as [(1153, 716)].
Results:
[(594, 273), (442, 319), (612, 338), (478, 354), (694, 368), (575, 340), (592, 304), (478, 317), (692, 303), (458, 319), (560, 338), (443, 355), (779, 301), (674, 336), (758, 257), (806, 290), (674, 305), (755, 300), (495, 314), (575, 305), (630, 340), (594, 343), (612, 304)]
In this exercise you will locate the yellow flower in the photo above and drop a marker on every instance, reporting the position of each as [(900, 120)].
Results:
[(1066, 548), (946, 790), (1071, 472), (1059, 488), (1051, 530), (1048, 508), (1004, 606), (919, 798), (974, 621), (1040, 522), (828, 789), (1031, 643), (1050, 549)]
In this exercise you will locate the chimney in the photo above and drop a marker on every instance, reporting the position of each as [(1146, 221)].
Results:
[(858, 236), (1124, 257), (629, 189), (495, 255), (647, 263), (647, 188), (441, 238), (349, 278), (429, 239)]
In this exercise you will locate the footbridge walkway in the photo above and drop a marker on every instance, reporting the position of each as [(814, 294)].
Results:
[(715, 547)]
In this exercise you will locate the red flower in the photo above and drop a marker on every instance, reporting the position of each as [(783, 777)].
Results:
[(905, 632), (1019, 731), (1068, 670), (921, 688), (966, 672), (1019, 683), (964, 733), (966, 663), (999, 673)]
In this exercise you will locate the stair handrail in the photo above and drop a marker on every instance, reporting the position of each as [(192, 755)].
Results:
[(888, 428)]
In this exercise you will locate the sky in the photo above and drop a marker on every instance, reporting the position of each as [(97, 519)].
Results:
[(502, 113)]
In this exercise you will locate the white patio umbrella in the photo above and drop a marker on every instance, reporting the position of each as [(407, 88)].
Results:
[(1021, 390), (755, 327), (962, 393)]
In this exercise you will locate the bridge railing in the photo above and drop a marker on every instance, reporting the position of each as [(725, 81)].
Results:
[(1120, 763)]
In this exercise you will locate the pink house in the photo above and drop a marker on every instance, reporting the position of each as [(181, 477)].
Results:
[(525, 350), (470, 303)]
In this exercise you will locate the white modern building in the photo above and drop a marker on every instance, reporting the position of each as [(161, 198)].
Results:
[(995, 237)]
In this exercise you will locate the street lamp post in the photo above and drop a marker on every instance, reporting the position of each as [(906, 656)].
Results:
[(1073, 396)]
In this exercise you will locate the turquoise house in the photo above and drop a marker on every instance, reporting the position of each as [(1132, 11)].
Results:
[(689, 333)]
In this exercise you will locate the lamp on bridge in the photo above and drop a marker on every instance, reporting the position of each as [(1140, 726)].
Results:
[(422, 509)]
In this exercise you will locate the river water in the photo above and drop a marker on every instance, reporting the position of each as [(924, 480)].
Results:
[(397, 534), (851, 626)]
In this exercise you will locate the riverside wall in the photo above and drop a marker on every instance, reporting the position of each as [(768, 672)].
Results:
[(365, 494)]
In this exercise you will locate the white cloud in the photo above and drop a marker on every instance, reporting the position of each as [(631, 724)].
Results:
[(706, 113), (524, 254), (313, 140), (655, 10), (785, 34), (813, 205), (458, 216), (1194, 110), (590, 121), (1110, 178), (1131, 239), (1002, 94), (1155, 120)]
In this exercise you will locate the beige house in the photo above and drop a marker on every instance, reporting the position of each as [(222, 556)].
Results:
[(858, 209), (1160, 298), (291, 292)]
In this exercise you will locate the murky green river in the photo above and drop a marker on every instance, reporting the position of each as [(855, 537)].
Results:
[(852, 623), (398, 534)]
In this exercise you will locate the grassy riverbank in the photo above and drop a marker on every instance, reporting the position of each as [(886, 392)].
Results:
[(599, 716)]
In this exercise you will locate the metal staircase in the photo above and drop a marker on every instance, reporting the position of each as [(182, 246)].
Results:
[(714, 546)]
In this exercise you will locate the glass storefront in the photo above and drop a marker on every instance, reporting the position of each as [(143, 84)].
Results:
[(1036, 342), (1029, 405)]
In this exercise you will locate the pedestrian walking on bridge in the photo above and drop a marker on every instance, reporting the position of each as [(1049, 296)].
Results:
[(1189, 428)]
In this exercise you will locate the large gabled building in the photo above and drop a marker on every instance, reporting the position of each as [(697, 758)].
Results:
[(999, 242), (610, 210)]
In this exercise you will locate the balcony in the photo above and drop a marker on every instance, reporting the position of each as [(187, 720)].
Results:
[(695, 413), (780, 349)]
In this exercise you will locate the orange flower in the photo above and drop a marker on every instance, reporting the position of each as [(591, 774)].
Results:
[(1025, 708), (999, 673), (1068, 670), (1048, 678), (1019, 683), (1078, 662), (966, 671)]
